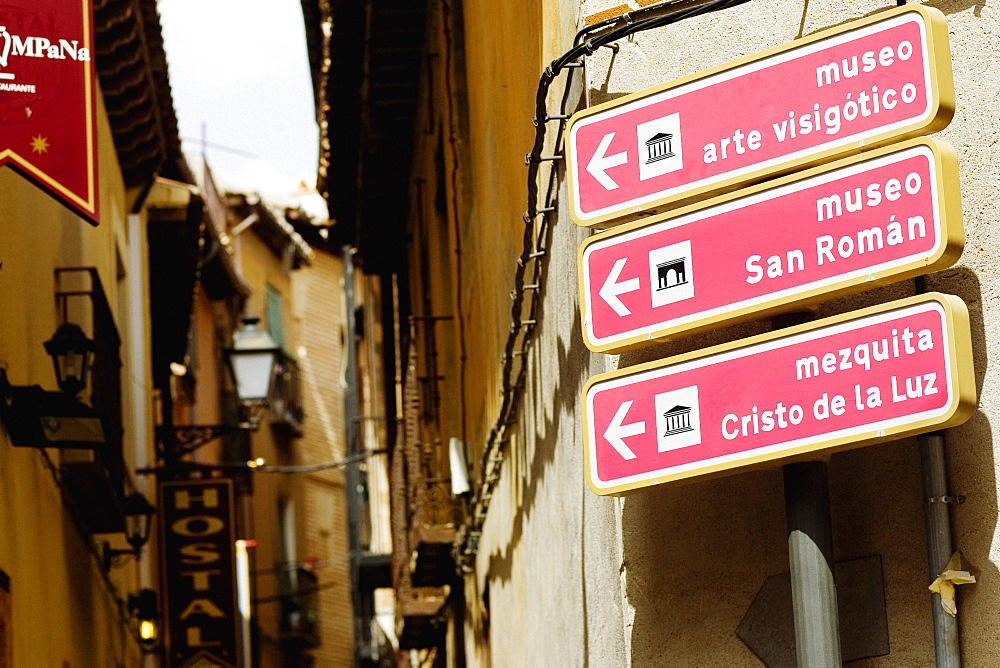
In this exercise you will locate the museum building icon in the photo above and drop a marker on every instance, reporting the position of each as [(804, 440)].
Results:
[(671, 274), (658, 147), (678, 420)]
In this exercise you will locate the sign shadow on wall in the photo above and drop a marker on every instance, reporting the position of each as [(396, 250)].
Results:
[(768, 630)]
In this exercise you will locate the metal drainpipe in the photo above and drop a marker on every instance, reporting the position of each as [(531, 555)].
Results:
[(939, 548), (937, 523), (352, 478)]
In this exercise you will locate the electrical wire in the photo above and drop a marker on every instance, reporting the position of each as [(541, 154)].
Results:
[(304, 591), (322, 466), (588, 46), (252, 467), (305, 565), (630, 18)]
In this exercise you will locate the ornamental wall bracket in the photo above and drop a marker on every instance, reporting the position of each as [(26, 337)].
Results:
[(187, 438)]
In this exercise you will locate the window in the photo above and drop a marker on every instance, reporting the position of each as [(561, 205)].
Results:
[(275, 317)]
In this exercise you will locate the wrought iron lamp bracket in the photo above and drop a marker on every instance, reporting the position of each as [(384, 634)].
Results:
[(189, 437)]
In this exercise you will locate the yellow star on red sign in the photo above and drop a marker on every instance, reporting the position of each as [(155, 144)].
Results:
[(39, 144)]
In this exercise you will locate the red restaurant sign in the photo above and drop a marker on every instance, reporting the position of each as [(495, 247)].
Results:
[(855, 379), (876, 218), (861, 84), (48, 108)]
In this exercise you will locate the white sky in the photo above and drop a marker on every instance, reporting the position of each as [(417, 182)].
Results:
[(240, 68)]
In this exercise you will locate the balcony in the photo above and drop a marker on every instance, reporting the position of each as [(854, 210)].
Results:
[(93, 478), (431, 535), (420, 624), (286, 412), (299, 607)]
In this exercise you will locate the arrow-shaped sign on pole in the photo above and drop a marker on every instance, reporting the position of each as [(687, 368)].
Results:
[(612, 288), (754, 118), (600, 162), (768, 399), (617, 431)]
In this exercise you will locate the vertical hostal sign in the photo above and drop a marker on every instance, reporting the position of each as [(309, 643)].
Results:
[(48, 128), (199, 573)]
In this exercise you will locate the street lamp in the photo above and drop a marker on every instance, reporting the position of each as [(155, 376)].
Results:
[(38, 418), (138, 515), (251, 360), (72, 354), (144, 606)]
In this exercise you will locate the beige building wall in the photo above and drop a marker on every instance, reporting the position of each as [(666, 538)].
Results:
[(63, 612), (663, 577), (260, 267), (319, 316)]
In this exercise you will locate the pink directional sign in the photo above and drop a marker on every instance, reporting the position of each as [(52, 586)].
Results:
[(867, 82), (888, 371), (875, 218)]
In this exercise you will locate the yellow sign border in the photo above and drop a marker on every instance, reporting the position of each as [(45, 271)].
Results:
[(963, 390), (950, 224), (942, 103)]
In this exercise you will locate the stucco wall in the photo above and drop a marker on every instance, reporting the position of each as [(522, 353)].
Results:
[(63, 615), (663, 576), (547, 588)]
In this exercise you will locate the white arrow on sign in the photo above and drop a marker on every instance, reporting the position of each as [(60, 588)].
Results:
[(617, 431), (612, 288), (600, 162)]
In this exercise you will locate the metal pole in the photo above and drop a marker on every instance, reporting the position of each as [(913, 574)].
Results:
[(810, 557), (352, 477), (810, 552), (939, 548)]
